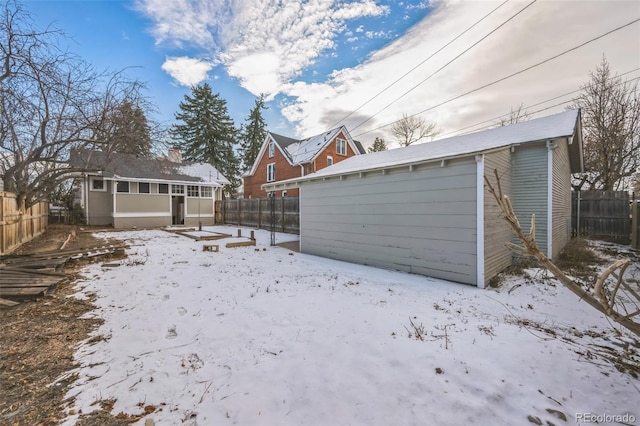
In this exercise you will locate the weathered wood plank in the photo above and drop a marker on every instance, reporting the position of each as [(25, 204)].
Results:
[(5, 303)]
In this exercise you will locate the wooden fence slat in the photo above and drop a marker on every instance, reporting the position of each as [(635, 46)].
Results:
[(602, 214), (19, 225), (256, 212)]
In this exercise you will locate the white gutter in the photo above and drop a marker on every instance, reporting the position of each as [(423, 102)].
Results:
[(480, 220)]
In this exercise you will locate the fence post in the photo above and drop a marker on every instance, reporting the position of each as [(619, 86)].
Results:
[(282, 214), (635, 211), (259, 213), (239, 210), (578, 215), (2, 225)]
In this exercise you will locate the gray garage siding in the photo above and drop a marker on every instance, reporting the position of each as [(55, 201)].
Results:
[(496, 230), (561, 215), (421, 221), (529, 190)]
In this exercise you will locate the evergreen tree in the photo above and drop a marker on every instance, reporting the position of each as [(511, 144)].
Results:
[(253, 134), (378, 145), (208, 133), (129, 132)]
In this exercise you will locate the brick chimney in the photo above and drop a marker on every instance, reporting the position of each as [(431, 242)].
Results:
[(175, 156)]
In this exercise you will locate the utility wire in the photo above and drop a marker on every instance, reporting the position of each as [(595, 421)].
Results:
[(448, 63), (415, 67), (493, 120), (506, 77)]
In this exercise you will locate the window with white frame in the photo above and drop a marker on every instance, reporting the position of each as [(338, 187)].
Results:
[(163, 188), (193, 191), (177, 189), (271, 172), (272, 149), (341, 146), (206, 191), (122, 186), (143, 188), (98, 184), (329, 160)]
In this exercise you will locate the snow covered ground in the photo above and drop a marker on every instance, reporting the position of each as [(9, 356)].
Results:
[(262, 335)]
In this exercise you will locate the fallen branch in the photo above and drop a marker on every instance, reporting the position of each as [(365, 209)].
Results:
[(599, 300)]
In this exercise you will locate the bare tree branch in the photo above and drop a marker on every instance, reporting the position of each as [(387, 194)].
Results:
[(602, 300)]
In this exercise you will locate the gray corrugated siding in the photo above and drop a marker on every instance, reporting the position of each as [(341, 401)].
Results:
[(561, 214), (496, 230), (529, 190), (421, 221)]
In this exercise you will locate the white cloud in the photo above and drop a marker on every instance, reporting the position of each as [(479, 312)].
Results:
[(539, 33), (289, 35), (187, 71)]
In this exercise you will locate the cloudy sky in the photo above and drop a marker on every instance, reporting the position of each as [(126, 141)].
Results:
[(361, 63)]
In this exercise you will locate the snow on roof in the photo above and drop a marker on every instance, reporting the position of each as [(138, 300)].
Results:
[(303, 151), (206, 172), (553, 126)]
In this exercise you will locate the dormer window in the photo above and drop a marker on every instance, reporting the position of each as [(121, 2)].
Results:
[(272, 149), (341, 146)]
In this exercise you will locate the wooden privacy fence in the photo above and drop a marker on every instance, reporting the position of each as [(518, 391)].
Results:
[(601, 214), (282, 212), (17, 226)]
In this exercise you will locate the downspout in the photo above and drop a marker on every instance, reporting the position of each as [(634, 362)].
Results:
[(480, 220), (551, 145), (114, 186), (85, 195)]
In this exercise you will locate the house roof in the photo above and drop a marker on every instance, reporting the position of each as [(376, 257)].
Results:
[(306, 150), (564, 124), (303, 151), (128, 166)]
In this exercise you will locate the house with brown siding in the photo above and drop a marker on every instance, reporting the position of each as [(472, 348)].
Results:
[(125, 191), (282, 158)]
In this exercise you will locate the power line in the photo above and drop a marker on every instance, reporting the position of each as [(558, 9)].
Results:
[(415, 67), (448, 63), (507, 77), (493, 120)]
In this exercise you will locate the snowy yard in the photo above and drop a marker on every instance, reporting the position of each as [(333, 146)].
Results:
[(262, 335)]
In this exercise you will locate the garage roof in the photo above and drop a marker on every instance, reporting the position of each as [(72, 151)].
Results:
[(564, 124)]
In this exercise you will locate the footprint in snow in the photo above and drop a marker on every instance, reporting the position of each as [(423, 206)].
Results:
[(171, 333), (181, 311)]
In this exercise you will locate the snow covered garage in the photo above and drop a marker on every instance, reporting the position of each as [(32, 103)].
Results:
[(424, 209)]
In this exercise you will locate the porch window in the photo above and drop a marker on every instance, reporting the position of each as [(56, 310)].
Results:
[(163, 188), (193, 191), (205, 191), (143, 187), (341, 146), (98, 185), (177, 189), (122, 186), (271, 172)]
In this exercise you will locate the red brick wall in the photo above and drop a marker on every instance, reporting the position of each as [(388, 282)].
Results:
[(284, 170)]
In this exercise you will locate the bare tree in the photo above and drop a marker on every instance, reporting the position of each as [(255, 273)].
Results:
[(611, 127), (50, 102), (515, 116), (410, 129)]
